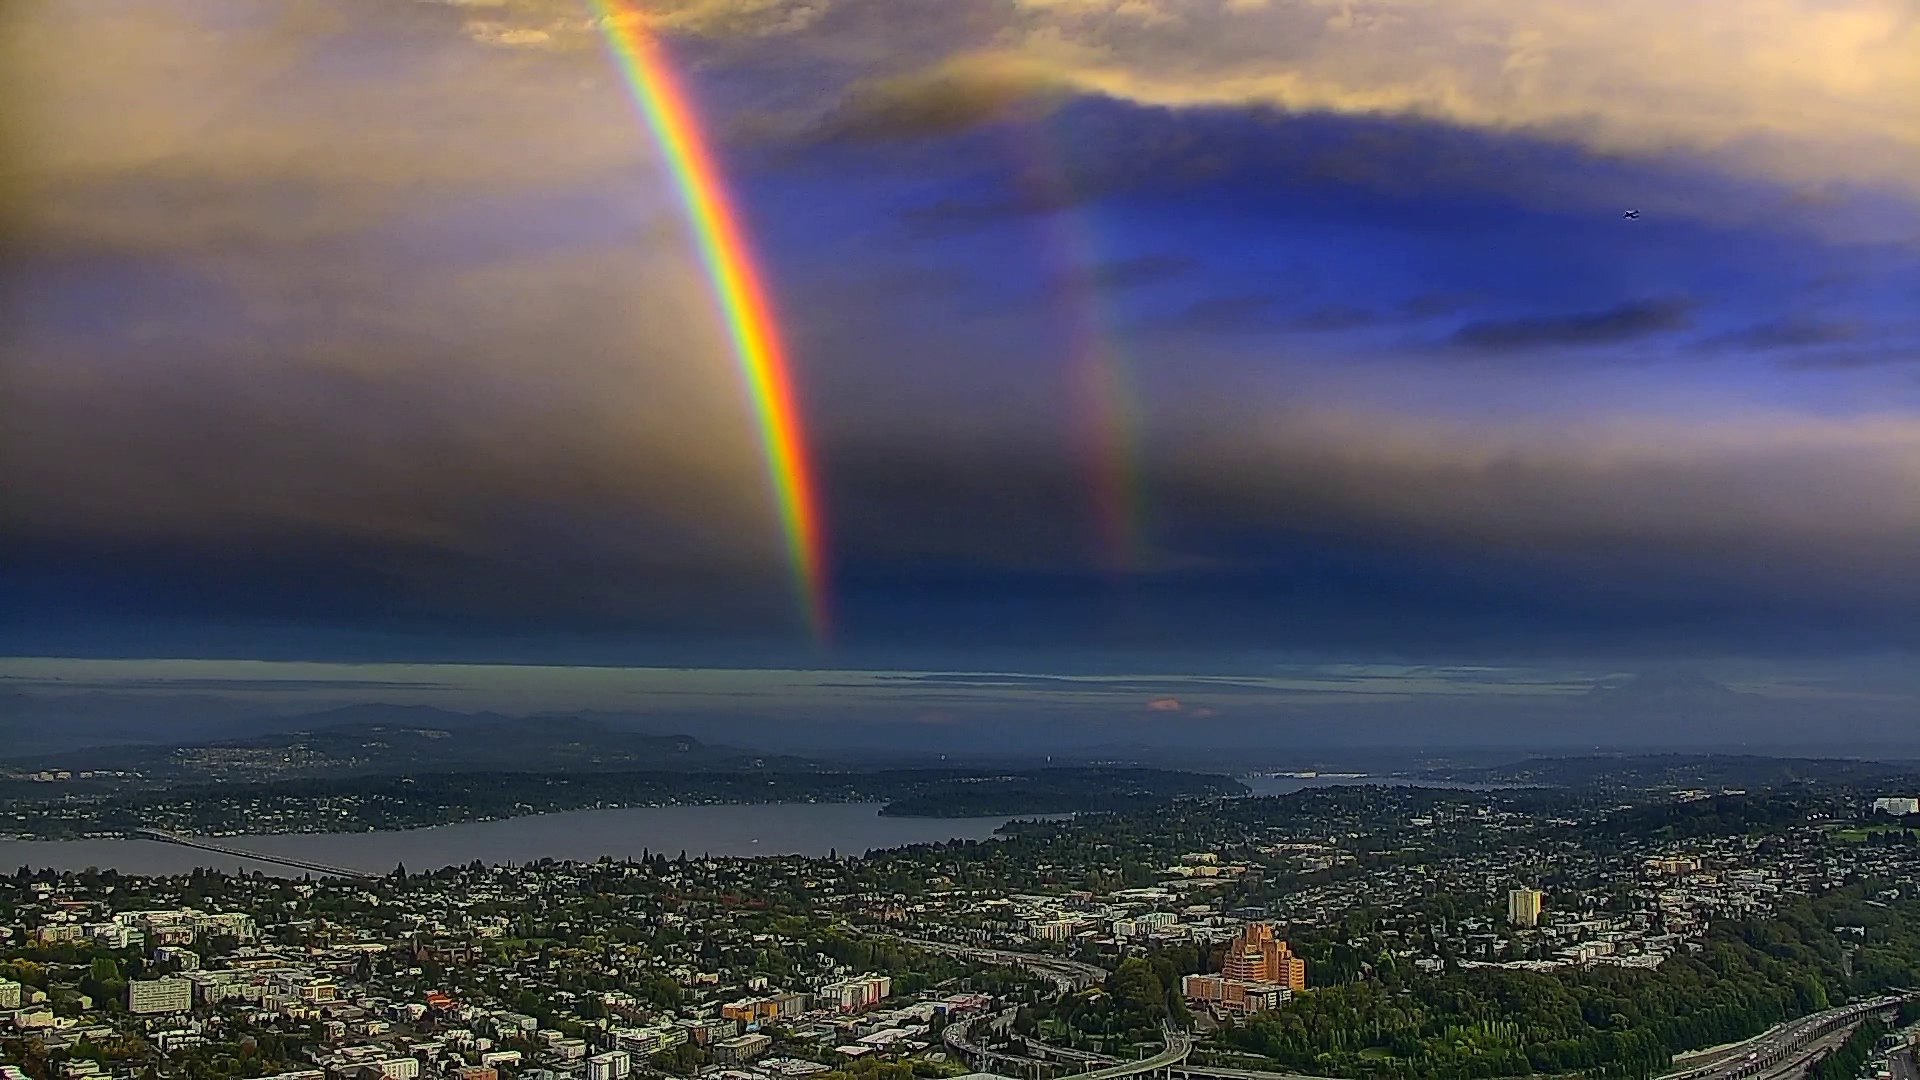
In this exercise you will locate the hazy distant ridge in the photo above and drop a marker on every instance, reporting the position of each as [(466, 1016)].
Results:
[(389, 739)]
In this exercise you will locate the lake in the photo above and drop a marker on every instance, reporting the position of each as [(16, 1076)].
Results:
[(1287, 785), (580, 835)]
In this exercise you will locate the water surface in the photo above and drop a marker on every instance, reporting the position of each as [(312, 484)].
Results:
[(1287, 785), (580, 835)]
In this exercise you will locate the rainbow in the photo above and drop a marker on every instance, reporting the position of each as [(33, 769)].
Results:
[(1104, 401), (737, 289)]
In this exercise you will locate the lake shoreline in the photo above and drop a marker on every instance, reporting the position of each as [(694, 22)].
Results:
[(726, 830)]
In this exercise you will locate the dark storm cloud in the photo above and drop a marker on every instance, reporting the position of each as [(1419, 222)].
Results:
[(1140, 270), (1267, 167), (1138, 274), (1240, 313), (1330, 317), (1433, 305), (557, 583), (1261, 312), (956, 96), (1628, 321), (1325, 533), (237, 684), (1371, 526), (1786, 333), (950, 214)]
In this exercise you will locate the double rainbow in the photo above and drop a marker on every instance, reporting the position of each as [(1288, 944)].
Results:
[(737, 289), (1104, 400)]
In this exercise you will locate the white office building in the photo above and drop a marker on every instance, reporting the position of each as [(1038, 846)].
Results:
[(612, 1065), (150, 996)]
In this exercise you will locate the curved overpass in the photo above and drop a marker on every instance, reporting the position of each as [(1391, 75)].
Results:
[(958, 1037), (1179, 1045)]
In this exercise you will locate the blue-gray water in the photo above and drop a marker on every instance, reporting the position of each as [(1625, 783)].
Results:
[(582, 835), (1287, 785)]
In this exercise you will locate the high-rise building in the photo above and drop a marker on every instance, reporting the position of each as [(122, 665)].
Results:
[(1523, 906), (159, 996), (1257, 956), (9, 994)]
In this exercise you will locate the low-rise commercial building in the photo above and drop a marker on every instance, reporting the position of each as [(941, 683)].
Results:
[(741, 1049)]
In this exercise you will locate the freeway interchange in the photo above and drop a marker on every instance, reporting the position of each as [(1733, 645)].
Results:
[(1779, 1049), (1780, 1053), (1069, 976)]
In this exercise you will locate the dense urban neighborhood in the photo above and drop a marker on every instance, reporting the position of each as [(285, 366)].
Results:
[(1365, 931)]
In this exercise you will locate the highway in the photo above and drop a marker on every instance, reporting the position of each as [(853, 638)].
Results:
[(1780, 1045), (1242, 1074), (1902, 1064), (1179, 1045), (958, 1037), (1048, 1051), (242, 853), (1068, 976), (1780, 1053)]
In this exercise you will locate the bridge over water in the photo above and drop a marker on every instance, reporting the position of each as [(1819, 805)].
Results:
[(204, 844)]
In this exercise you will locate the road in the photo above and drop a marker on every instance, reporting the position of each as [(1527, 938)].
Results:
[(1795, 1065), (1068, 976), (1779, 1053), (1242, 1074), (1047, 1051), (1179, 1045), (1774, 1051), (1901, 1062), (959, 1039), (1050, 1052)]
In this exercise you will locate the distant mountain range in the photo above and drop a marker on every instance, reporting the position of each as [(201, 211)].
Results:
[(184, 734), (382, 739), (1711, 772), (1677, 688)]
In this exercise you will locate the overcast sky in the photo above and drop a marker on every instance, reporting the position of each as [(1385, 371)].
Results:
[(370, 330)]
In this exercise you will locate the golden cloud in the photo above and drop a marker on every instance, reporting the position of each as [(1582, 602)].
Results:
[(1804, 90)]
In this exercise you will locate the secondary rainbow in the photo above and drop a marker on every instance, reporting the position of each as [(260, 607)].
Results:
[(1104, 399), (737, 289)]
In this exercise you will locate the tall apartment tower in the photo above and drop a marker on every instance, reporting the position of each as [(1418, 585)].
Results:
[(1523, 906), (1257, 956)]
